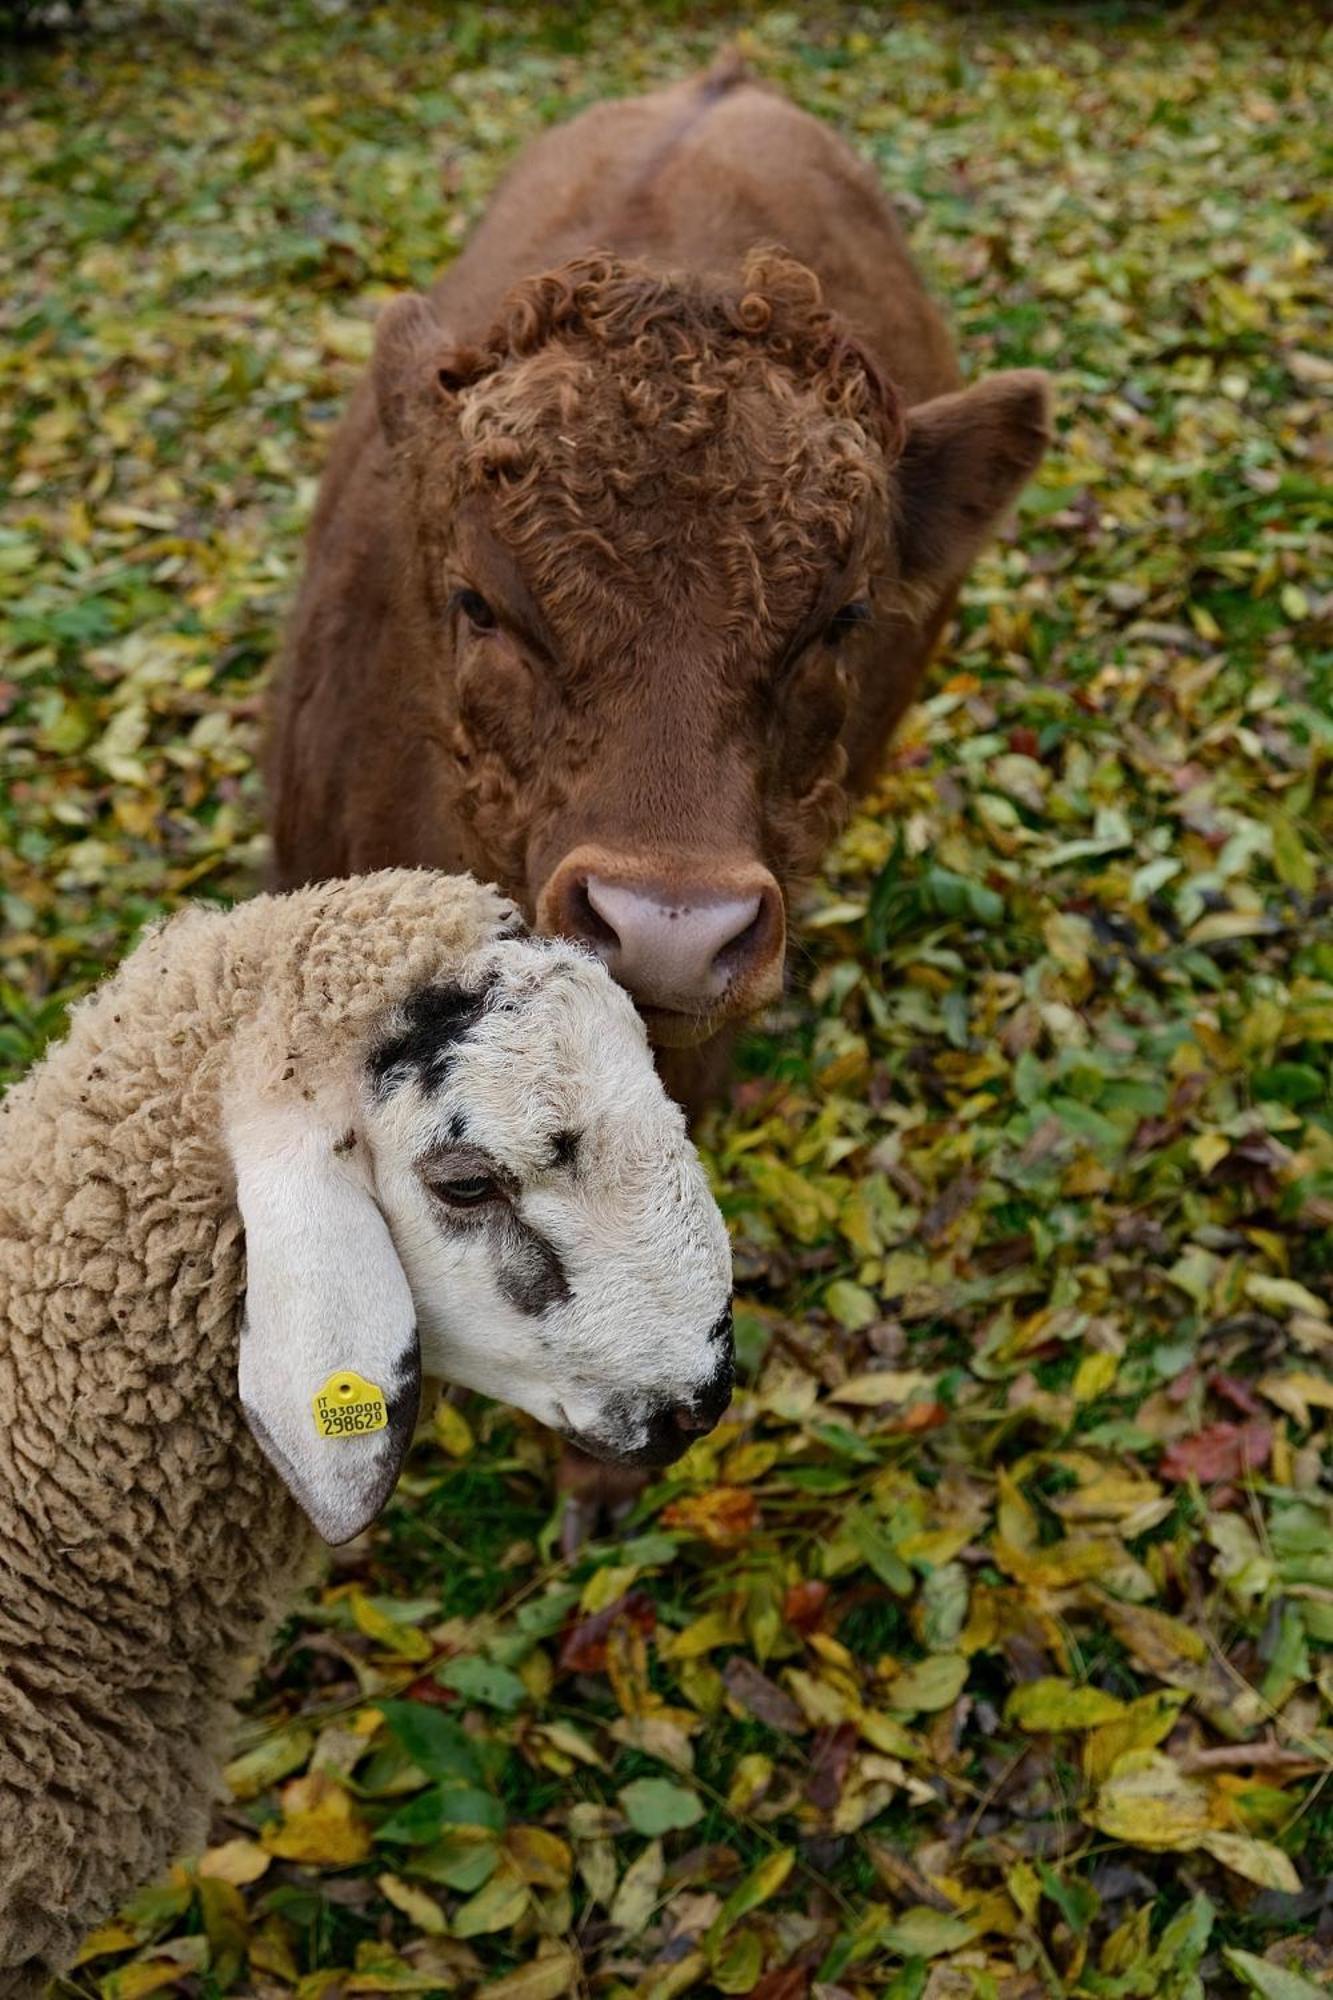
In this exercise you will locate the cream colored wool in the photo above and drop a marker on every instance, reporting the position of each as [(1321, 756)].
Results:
[(146, 1548)]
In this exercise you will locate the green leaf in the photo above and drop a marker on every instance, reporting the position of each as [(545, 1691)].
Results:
[(421, 1820), (481, 1680), (655, 1805), (1269, 1981), (851, 1305), (926, 1933), (436, 1743)]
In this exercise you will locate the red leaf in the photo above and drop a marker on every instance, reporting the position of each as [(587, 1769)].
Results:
[(803, 1605), (584, 1648), (430, 1691), (760, 1696), (829, 1760), (1222, 1451), (724, 1516), (921, 1417), (1239, 1394), (789, 1982)]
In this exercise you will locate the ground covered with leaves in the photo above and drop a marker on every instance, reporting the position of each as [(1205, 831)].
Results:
[(987, 1649)]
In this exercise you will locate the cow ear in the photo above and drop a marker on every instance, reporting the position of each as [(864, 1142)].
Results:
[(416, 365), (330, 1369), (966, 459)]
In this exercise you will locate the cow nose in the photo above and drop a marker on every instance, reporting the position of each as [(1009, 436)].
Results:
[(690, 947), (683, 946)]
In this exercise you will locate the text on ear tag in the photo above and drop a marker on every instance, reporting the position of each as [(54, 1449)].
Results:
[(349, 1406)]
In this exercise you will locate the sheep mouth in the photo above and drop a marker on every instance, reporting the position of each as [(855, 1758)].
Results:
[(661, 1448)]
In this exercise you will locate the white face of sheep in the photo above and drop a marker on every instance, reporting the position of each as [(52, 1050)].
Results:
[(551, 1240)]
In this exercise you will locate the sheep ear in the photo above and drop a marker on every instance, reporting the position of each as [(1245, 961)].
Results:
[(330, 1369), (966, 460), (415, 368)]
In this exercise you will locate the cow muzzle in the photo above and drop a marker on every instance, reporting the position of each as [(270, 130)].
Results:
[(695, 950)]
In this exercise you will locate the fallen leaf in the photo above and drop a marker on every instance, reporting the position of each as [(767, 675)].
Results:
[(320, 1823), (655, 1805)]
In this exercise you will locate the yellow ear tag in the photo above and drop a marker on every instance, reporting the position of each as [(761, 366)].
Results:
[(349, 1406)]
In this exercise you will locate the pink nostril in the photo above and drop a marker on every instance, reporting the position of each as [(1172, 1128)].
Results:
[(674, 953)]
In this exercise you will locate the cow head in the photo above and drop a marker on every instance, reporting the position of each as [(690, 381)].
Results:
[(660, 539)]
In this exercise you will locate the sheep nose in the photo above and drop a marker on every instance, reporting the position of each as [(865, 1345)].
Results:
[(695, 946), (672, 1428)]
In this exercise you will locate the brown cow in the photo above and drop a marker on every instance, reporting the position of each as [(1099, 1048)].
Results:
[(635, 543)]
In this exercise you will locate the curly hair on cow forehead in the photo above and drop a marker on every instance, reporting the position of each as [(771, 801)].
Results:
[(635, 428)]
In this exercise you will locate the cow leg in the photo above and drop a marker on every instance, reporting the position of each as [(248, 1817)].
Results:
[(595, 1497)]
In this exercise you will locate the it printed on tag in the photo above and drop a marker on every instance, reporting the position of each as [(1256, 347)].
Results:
[(349, 1406)]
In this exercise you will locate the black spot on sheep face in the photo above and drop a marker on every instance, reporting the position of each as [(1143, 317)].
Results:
[(420, 1048), (561, 1246)]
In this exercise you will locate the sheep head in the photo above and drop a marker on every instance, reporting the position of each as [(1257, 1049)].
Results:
[(480, 1179)]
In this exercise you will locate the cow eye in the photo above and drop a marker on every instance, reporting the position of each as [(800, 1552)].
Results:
[(476, 610), (468, 1192), (845, 621)]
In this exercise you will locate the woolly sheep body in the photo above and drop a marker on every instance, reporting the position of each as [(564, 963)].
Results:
[(146, 1546)]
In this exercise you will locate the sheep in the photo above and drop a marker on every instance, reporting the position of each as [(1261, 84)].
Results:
[(291, 1161)]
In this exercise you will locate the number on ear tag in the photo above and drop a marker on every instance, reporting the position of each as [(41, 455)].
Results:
[(349, 1406)]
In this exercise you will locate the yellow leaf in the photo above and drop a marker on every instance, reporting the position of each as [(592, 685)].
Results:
[(1094, 1376), (499, 1905), (1257, 1860), (282, 1752), (169, 1964), (1144, 1724), (1136, 1504), (1297, 1391), (320, 1823), (748, 1462), (1208, 1149), (111, 1937), (1149, 1802), (1016, 1521), (1284, 1295), (1051, 1704), (886, 1733), (1024, 1885), (932, 1684), (636, 1898), (542, 1979), (406, 1640), (750, 1779), (1160, 1643), (820, 1704), (886, 1385), (562, 1736), (453, 1432), (423, 1910), (715, 1628), (236, 1861), (605, 1585), (541, 1858), (1059, 1565)]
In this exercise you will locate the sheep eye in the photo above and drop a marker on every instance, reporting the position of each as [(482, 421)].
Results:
[(468, 1193), (845, 621), (476, 610)]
